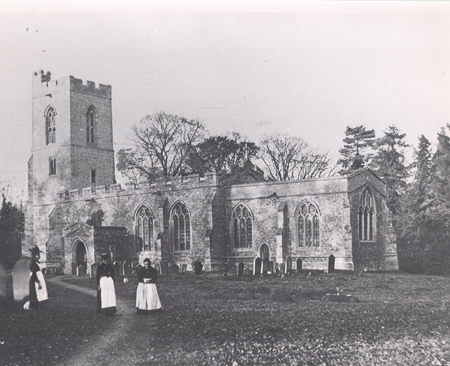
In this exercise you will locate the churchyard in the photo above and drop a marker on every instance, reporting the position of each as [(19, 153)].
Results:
[(211, 319)]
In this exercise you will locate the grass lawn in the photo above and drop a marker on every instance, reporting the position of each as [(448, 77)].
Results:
[(391, 319)]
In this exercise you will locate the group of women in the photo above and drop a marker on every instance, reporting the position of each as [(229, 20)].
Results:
[(147, 298)]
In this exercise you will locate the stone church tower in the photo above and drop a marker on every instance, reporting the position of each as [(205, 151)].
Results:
[(72, 146)]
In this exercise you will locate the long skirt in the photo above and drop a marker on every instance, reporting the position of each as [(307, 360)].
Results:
[(147, 298), (37, 294), (106, 298)]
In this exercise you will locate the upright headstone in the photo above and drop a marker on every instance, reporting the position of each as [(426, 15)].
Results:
[(94, 270), (257, 266), (81, 270), (158, 268), (21, 278), (3, 290), (241, 269), (265, 265), (164, 268), (117, 269)]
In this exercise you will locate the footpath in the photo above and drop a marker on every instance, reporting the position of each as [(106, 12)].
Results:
[(106, 350)]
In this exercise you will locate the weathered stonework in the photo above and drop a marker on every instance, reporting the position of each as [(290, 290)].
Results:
[(60, 204)]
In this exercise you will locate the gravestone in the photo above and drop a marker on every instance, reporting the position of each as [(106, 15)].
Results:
[(94, 270), (81, 270), (270, 268), (3, 290), (164, 268), (241, 269), (21, 278), (257, 266), (116, 267), (183, 268), (126, 268), (299, 265), (265, 265), (158, 268)]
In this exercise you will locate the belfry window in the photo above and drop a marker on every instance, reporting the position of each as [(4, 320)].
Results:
[(50, 127), (90, 125), (366, 217), (144, 229), (52, 166), (242, 227), (181, 227), (308, 225)]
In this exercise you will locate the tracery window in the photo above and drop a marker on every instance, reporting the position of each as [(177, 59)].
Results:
[(308, 225), (90, 125), (144, 229), (181, 227), (50, 127), (242, 227), (366, 217)]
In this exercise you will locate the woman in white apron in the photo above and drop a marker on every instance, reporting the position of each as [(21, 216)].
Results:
[(106, 293), (147, 299)]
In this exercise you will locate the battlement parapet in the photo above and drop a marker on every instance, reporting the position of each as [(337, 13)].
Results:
[(172, 183), (43, 85), (89, 87)]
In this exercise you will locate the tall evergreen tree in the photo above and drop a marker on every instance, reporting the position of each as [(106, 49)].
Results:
[(389, 164), (356, 151)]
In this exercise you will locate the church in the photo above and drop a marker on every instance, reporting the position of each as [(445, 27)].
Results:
[(234, 222)]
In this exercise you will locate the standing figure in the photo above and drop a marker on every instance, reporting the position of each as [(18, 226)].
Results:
[(106, 293), (37, 285), (147, 298)]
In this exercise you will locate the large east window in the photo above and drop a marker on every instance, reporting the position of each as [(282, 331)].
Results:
[(181, 227), (366, 217), (242, 227), (308, 225)]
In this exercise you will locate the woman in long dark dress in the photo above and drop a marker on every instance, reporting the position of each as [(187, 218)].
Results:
[(147, 299), (106, 293), (37, 286)]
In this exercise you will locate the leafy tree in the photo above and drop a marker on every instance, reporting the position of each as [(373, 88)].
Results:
[(354, 153), (389, 163), (218, 153), (286, 157), (161, 146), (12, 226)]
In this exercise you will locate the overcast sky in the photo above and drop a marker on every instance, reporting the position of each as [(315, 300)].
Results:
[(309, 69)]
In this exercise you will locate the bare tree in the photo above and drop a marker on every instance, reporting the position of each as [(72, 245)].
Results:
[(286, 157), (161, 145)]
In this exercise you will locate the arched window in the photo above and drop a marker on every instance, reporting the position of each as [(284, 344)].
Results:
[(366, 217), (181, 227), (50, 127), (308, 225), (90, 125), (144, 229), (242, 227)]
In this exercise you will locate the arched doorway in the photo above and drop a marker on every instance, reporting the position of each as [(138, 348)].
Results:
[(80, 257)]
